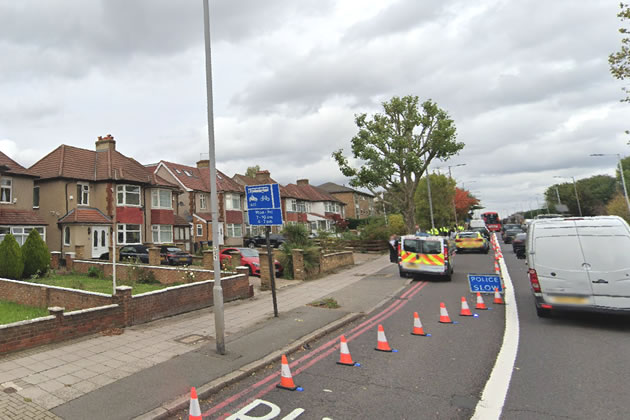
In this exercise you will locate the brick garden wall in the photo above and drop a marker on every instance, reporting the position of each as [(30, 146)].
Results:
[(119, 310), (165, 275), (329, 262)]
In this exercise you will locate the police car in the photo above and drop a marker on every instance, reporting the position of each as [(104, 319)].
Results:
[(419, 255)]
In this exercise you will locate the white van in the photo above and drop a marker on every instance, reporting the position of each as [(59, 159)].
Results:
[(579, 263), (477, 223), (420, 255)]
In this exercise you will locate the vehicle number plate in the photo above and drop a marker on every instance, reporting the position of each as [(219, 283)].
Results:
[(575, 300)]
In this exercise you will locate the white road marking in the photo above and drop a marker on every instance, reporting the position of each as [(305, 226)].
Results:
[(493, 397)]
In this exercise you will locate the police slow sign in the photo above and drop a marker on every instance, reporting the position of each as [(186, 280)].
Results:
[(484, 283)]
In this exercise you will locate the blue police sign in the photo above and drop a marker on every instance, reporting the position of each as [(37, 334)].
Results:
[(484, 283), (263, 205)]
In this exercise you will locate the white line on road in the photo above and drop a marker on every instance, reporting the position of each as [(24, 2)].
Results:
[(493, 397)]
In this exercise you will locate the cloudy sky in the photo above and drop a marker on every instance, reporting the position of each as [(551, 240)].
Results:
[(526, 81)]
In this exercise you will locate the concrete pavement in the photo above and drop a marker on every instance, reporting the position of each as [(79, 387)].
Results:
[(85, 374)]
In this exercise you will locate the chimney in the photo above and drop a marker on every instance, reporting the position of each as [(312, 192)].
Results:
[(302, 182), (105, 143), (204, 163), (263, 177)]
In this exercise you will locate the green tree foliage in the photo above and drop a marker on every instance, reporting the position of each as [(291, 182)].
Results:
[(11, 262), (465, 203), (395, 148), (36, 255), (618, 207), (374, 230), (442, 194), (396, 224), (251, 171), (620, 61), (625, 163), (594, 192)]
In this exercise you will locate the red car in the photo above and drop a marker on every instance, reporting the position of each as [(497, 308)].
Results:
[(250, 259)]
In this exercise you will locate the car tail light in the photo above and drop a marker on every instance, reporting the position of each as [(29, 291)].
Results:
[(533, 279), (458, 240), (478, 240), (445, 252)]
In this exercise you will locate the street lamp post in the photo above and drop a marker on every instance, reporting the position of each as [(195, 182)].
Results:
[(430, 200), (623, 178), (217, 291), (451, 177), (577, 198)]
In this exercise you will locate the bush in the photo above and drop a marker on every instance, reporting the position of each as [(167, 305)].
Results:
[(311, 257), (35, 254), (95, 272), (374, 230), (297, 234), (397, 224), (11, 261)]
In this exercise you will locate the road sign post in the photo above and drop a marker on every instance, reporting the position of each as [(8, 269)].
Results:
[(484, 283), (264, 208)]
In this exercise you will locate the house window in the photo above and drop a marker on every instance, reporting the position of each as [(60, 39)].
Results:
[(35, 197), (129, 234), (203, 202), (162, 234), (161, 199), (128, 195), (301, 207), (6, 190), (292, 205), (66, 235), (83, 194), (234, 230), (232, 202), (199, 229), (21, 232)]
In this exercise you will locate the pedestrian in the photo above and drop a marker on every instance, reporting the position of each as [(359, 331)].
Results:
[(393, 249), (418, 230)]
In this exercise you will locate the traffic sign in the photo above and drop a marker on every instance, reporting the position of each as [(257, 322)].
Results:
[(265, 196), (264, 207), (484, 283)]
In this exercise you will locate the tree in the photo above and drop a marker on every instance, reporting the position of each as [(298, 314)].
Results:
[(465, 203), (594, 192), (618, 207), (11, 262), (395, 148), (35, 254), (251, 171), (620, 61), (442, 194), (396, 224)]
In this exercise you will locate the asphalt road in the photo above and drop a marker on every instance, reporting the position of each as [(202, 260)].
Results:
[(441, 376), (570, 366)]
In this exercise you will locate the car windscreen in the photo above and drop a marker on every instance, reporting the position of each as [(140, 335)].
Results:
[(513, 231), (520, 237), (419, 246), (247, 252), (174, 250), (469, 235)]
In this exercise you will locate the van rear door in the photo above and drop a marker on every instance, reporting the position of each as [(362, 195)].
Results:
[(605, 249), (559, 263)]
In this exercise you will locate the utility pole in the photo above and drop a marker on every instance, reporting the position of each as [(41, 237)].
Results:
[(217, 291), (430, 200), (576, 196), (623, 182)]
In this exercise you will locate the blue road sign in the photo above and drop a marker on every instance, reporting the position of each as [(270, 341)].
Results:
[(265, 217), (264, 207), (484, 283), (265, 196)]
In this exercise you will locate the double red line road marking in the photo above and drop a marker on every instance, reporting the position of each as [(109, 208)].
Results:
[(325, 349)]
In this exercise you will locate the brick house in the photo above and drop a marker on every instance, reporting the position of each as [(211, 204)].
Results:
[(310, 205), (359, 205), (83, 192), (19, 201), (193, 201), (262, 177)]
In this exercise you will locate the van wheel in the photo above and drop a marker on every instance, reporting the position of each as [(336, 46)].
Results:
[(402, 273), (543, 313)]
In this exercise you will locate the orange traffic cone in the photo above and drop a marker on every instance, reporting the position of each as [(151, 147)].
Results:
[(345, 358), (286, 380), (480, 303), (417, 326), (498, 300), (444, 318), (382, 344), (194, 411), (496, 267), (465, 308)]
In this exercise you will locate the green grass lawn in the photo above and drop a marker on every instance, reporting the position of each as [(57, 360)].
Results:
[(94, 284), (13, 312)]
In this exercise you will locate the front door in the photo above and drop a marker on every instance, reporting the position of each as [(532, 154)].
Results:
[(100, 241)]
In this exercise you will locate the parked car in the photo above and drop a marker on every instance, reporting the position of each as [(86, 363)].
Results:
[(471, 241), (510, 234), (275, 240), (249, 258), (579, 263), (421, 255), (518, 244), (509, 226), (131, 253), (172, 255), (483, 230)]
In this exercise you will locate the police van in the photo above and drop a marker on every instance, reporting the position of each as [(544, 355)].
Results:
[(420, 255)]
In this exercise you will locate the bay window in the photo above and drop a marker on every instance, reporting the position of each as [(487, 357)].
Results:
[(162, 234), (234, 230), (129, 234), (128, 195), (161, 199), (232, 202)]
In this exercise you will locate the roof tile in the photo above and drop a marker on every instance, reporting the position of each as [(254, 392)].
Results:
[(20, 217), (85, 215)]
